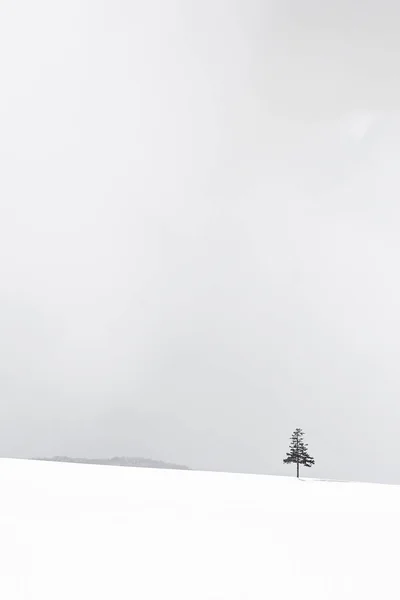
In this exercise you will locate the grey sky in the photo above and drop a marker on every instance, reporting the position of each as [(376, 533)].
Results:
[(199, 244)]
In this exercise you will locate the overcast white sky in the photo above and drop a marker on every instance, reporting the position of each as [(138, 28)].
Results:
[(199, 232)]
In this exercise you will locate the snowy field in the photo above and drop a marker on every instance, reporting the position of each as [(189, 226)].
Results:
[(75, 532)]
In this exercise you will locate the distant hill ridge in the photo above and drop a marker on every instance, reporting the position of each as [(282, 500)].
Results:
[(118, 461)]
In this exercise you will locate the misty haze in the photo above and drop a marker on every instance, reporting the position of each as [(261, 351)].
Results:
[(199, 241)]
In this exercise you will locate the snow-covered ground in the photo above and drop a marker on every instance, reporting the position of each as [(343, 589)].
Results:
[(75, 532)]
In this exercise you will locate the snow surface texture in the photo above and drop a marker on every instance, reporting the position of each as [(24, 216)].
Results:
[(90, 532)]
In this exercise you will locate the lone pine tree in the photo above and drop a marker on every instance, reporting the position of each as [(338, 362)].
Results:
[(298, 452)]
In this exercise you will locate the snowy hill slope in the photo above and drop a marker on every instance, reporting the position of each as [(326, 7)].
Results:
[(94, 533), (118, 461)]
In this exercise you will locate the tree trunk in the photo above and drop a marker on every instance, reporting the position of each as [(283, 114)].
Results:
[(298, 469)]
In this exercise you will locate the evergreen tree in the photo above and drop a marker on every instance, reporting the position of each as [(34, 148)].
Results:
[(298, 452)]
